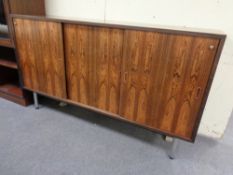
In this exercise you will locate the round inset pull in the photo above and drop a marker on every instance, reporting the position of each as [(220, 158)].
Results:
[(211, 47)]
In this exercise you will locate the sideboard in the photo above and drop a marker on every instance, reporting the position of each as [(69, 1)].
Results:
[(155, 78)]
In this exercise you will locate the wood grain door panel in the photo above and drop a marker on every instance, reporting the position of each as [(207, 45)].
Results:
[(79, 63), (93, 59), (202, 58), (140, 52), (108, 47), (41, 56), (164, 79)]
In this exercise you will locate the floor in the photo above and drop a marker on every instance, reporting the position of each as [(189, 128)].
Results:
[(74, 141)]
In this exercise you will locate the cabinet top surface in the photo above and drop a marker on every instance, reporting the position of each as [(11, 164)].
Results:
[(130, 25)]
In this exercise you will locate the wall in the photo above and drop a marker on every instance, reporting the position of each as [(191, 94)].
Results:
[(212, 14)]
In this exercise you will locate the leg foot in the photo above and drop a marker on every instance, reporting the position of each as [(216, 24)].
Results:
[(171, 158), (35, 97), (62, 104), (172, 147)]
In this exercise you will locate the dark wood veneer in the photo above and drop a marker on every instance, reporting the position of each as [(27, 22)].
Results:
[(40, 49)]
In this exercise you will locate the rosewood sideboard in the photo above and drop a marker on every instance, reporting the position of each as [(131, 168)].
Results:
[(152, 77)]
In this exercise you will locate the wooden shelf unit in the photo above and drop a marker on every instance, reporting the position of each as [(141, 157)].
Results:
[(9, 64), (9, 82), (11, 89), (6, 42), (10, 85), (7, 58)]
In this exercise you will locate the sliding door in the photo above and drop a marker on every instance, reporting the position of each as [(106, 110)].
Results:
[(93, 64), (41, 57)]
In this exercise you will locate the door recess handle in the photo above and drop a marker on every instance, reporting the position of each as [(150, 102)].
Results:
[(125, 76), (198, 92)]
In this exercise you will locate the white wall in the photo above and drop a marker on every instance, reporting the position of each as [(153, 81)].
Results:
[(211, 14)]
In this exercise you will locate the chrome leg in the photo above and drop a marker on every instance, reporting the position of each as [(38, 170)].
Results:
[(172, 147), (35, 97)]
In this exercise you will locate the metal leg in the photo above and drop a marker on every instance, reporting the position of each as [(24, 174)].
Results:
[(35, 97), (172, 147)]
